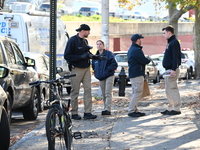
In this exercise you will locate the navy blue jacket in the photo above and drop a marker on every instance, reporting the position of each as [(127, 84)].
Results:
[(136, 61), (104, 68), (75, 47), (172, 56)]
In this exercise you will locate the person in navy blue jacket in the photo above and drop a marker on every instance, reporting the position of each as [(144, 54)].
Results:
[(104, 71), (76, 54), (136, 70), (171, 62)]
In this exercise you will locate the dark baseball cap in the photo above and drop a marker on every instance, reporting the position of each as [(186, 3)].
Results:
[(83, 27), (135, 37)]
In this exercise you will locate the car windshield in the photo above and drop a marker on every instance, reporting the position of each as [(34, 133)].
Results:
[(45, 6), (121, 58)]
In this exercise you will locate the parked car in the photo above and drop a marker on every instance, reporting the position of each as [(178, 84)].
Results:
[(152, 73), (42, 68), (157, 58), (188, 59), (135, 14), (4, 122), (89, 10), (64, 10), (45, 7), (16, 84), (61, 8)]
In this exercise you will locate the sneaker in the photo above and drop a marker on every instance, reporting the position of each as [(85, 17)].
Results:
[(76, 117), (89, 116), (173, 112), (106, 112), (136, 114), (165, 112)]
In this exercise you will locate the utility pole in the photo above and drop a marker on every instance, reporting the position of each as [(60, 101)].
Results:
[(105, 22), (52, 46)]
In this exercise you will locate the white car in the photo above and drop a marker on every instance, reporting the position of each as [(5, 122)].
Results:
[(152, 73), (157, 58), (135, 14), (89, 10), (188, 59)]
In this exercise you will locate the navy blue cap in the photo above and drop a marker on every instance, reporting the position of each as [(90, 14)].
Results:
[(135, 37), (83, 27)]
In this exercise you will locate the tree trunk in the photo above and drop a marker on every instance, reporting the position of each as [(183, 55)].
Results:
[(172, 21), (196, 41)]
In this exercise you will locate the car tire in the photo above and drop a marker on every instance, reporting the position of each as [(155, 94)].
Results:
[(42, 102), (189, 74), (68, 89), (4, 130), (157, 80), (31, 111), (9, 107)]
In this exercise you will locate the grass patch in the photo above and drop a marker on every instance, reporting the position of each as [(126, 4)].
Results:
[(97, 18)]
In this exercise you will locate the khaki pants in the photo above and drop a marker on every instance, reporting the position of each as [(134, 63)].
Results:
[(137, 84), (83, 75), (172, 92), (106, 89)]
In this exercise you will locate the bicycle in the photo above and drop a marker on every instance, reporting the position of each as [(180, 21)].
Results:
[(58, 122)]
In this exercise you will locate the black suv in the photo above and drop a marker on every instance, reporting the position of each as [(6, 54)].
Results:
[(4, 124), (16, 84)]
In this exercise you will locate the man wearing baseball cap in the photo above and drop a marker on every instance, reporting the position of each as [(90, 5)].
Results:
[(136, 70), (76, 54)]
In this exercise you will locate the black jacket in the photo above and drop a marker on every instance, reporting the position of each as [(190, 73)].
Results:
[(75, 47), (172, 55), (104, 68), (136, 61)]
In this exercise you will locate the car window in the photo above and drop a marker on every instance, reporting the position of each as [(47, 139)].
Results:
[(121, 58), (84, 9), (94, 9), (47, 62), (1, 55), (184, 56), (45, 6), (9, 51), (41, 65), (19, 56)]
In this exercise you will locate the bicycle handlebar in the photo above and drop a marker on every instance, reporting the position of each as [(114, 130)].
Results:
[(35, 83)]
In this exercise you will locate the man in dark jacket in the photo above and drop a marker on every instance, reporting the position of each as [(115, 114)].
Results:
[(136, 64), (76, 54), (171, 62)]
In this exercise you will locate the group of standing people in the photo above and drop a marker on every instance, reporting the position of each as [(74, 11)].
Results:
[(78, 57)]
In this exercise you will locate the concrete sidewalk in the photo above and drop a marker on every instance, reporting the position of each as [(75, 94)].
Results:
[(120, 132)]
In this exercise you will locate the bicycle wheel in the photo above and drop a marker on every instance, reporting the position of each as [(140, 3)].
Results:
[(56, 131), (68, 131)]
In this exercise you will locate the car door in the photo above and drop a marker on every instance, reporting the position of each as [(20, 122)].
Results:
[(19, 73), (151, 70)]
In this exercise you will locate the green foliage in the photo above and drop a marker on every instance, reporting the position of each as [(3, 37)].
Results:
[(79, 17)]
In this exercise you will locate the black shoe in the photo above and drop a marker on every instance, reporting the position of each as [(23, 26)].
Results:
[(76, 117), (141, 114), (165, 112), (89, 116), (106, 112), (136, 114), (173, 112)]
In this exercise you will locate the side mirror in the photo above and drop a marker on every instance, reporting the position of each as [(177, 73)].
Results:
[(30, 62), (3, 72), (59, 69)]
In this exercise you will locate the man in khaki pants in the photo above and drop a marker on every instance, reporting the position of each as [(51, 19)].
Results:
[(171, 62), (136, 72), (76, 54)]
